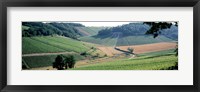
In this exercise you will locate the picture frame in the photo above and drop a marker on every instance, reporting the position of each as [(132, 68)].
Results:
[(103, 3)]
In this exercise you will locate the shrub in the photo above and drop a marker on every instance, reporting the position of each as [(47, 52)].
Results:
[(59, 62), (69, 61)]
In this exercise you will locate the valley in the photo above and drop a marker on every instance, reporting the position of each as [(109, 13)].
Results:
[(97, 48)]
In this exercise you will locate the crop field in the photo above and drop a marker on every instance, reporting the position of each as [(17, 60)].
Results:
[(138, 49), (32, 46), (141, 63), (52, 44), (125, 41)]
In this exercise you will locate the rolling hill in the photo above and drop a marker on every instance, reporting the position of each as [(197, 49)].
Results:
[(41, 51), (48, 44), (125, 41), (137, 29)]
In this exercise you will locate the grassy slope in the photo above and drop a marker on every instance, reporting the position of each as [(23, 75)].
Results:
[(156, 63), (52, 44), (32, 46), (41, 61), (91, 30), (130, 40), (149, 61), (48, 44)]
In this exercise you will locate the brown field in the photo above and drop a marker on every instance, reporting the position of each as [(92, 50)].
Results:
[(138, 49)]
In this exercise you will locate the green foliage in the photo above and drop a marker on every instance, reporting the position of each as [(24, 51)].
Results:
[(156, 27), (146, 63), (47, 29), (59, 62), (69, 61)]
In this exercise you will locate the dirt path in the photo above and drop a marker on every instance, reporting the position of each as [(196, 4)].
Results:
[(46, 54)]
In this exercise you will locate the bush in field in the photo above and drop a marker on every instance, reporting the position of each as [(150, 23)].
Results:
[(69, 61), (130, 50), (84, 53), (59, 62)]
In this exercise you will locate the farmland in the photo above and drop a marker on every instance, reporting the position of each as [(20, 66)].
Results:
[(41, 51), (157, 63), (161, 60), (139, 49), (52, 44), (74, 46), (124, 41), (48, 46)]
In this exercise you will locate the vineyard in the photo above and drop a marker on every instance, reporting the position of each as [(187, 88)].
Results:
[(50, 46)]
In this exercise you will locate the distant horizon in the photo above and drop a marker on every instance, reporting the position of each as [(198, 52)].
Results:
[(100, 23)]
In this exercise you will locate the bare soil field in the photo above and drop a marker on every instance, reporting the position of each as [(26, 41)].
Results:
[(138, 49)]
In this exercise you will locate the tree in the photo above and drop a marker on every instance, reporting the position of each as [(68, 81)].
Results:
[(156, 28), (69, 61), (59, 62)]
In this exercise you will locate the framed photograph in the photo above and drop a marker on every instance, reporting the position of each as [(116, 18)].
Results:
[(128, 45)]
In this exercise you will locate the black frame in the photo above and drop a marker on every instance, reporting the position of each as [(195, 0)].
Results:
[(101, 3)]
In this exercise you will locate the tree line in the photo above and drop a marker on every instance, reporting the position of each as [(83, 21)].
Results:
[(131, 29), (30, 29)]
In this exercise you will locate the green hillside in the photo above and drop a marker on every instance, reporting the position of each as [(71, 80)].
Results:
[(124, 41), (31, 29), (52, 44), (89, 31), (157, 63), (161, 60)]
